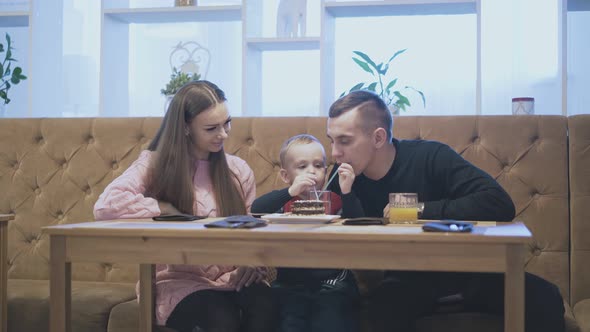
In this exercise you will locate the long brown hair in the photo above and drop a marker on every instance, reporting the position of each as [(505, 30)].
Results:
[(171, 172)]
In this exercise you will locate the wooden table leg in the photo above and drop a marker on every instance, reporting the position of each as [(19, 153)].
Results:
[(3, 276), (60, 291), (146, 296), (514, 289)]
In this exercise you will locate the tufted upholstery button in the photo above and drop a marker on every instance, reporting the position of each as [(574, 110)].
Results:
[(15, 165), (37, 191), (39, 140), (277, 167), (90, 139), (250, 141), (114, 165), (475, 139), (59, 215), (534, 138), (506, 168), (537, 252), (64, 164), (108, 267)]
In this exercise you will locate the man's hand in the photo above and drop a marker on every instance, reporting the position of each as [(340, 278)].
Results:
[(167, 208), (345, 177), (302, 183), (245, 276)]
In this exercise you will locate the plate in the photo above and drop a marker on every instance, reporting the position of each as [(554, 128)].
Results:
[(289, 218)]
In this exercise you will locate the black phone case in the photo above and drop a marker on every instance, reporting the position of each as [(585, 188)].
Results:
[(365, 221), (177, 217)]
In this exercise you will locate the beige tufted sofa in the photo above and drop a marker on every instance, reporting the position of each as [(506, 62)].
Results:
[(52, 171)]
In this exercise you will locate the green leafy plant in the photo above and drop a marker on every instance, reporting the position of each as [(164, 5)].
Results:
[(8, 76), (177, 80), (388, 91)]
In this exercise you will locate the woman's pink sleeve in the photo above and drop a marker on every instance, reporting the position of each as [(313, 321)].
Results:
[(124, 197)]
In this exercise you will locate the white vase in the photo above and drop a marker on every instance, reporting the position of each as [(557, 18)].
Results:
[(167, 102), (394, 109)]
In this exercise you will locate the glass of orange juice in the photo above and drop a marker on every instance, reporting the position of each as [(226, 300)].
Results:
[(403, 208)]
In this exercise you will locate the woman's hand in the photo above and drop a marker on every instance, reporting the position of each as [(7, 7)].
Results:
[(345, 177), (245, 276), (167, 208)]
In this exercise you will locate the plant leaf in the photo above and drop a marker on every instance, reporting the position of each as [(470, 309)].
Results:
[(357, 87), (363, 65), (402, 99), (1, 70), (372, 86), (420, 93), (396, 54), (390, 85), (7, 41), (366, 58), (1, 47), (17, 71)]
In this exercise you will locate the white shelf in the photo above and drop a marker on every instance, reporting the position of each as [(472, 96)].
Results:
[(401, 7), (176, 14), (14, 19), (284, 44)]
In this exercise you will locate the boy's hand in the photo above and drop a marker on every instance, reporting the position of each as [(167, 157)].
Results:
[(345, 177), (302, 183)]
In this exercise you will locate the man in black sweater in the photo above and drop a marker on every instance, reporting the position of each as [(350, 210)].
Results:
[(449, 187)]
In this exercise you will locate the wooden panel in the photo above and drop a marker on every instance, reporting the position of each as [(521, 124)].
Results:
[(296, 253), (60, 291)]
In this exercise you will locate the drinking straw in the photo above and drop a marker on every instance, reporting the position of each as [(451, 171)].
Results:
[(331, 178), (317, 196)]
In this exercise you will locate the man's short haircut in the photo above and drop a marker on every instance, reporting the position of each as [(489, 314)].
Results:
[(297, 140), (372, 109)]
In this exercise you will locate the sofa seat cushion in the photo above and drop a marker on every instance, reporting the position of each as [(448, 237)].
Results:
[(28, 304), (125, 318), (582, 314), (467, 321)]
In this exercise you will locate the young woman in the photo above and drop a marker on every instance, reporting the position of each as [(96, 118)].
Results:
[(185, 170)]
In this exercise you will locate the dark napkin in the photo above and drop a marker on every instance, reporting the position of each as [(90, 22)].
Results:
[(238, 221)]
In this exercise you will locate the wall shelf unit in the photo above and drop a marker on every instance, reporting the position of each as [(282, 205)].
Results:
[(175, 14), (114, 96), (14, 19)]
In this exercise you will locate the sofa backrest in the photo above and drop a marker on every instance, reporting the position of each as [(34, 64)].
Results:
[(52, 171), (579, 157)]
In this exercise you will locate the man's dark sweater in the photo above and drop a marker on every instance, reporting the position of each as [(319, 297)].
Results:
[(450, 186)]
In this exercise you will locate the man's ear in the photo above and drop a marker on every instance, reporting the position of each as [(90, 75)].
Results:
[(379, 137), (284, 176)]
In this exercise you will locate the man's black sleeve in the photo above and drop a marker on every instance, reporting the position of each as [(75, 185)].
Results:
[(471, 194)]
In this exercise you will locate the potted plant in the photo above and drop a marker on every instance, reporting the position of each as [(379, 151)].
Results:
[(388, 91), (177, 80), (8, 75)]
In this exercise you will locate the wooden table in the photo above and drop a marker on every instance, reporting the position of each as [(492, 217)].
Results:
[(4, 219), (393, 247)]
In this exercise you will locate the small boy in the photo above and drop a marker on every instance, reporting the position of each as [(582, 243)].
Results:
[(313, 299)]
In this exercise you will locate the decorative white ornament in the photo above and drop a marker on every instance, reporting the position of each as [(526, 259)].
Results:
[(291, 18), (190, 58)]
